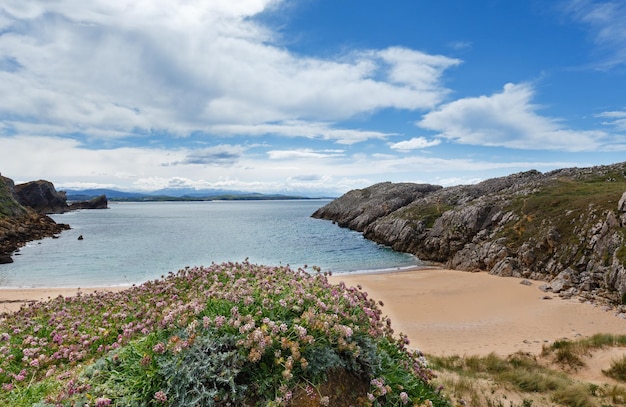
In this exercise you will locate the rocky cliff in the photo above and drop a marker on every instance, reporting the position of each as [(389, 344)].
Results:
[(43, 197), (566, 227), (20, 224)]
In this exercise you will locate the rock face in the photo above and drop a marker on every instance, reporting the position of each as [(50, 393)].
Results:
[(566, 227), (41, 196), (20, 224)]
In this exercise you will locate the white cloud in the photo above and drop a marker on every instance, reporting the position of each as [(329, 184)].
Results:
[(617, 119), (299, 128), (304, 154), (112, 69), (606, 21), (507, 119), (221, 155), (67, 163), (414, 144)]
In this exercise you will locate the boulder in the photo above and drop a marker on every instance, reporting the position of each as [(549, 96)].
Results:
[(564, 281)]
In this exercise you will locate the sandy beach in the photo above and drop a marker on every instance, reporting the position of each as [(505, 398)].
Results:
[(11, 299), (447, 312)]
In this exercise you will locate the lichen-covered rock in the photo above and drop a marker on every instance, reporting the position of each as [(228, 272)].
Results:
[(530, 225)]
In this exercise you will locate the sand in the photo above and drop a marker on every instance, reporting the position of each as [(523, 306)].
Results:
[(11, 299), (447, 312)]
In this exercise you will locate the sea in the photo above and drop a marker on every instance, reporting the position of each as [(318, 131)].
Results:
[(133, 242)]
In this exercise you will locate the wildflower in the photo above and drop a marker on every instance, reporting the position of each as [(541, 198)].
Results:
[(21, 376), (325, 401), (160, 396), (404, 398), (159, 348), (370, 397), (103, 402)]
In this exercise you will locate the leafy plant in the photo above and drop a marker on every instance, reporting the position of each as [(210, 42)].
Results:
[(234, 333)]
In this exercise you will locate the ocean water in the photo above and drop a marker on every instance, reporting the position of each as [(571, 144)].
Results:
[(133, 242)]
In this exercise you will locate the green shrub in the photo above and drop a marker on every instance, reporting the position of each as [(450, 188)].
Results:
[(205, 374)]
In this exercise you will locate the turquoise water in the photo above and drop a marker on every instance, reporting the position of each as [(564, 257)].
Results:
[(135, 242)]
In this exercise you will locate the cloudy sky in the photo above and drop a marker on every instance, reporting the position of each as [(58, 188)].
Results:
[(320, 96)]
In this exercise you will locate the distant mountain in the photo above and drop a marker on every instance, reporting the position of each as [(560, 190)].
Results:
[(86, 194), (191, 192), (176, 194)]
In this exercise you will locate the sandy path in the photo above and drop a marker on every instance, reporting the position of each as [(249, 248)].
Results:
[(452, 312)]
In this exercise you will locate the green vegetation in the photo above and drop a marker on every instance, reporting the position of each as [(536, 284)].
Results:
[(489, 380), (9, 207), (420, 211), (563, 204), (570, 354), (617, 370), (229, 334)]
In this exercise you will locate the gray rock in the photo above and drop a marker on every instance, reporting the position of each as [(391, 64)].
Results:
[(521, 225)]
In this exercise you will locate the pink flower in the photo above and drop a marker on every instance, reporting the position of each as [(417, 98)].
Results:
[(103, 402), (160, 396), (159, 348)]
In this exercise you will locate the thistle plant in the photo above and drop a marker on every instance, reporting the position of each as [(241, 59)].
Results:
[(227, 334)]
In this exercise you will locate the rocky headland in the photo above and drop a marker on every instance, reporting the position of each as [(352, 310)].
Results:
[(24, 209), (565, 227)]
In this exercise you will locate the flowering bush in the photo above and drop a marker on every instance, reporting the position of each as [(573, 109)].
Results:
[(228, 334)]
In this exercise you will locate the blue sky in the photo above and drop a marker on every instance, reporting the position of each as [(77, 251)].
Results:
[(307, 96)]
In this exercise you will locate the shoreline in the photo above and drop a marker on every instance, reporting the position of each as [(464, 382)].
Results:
[(443, 312), (450, 312), (12, 299)]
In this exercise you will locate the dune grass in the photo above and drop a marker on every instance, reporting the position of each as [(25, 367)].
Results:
[(486, 380)]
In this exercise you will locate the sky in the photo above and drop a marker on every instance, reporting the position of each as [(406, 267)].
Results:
[(313, 97)]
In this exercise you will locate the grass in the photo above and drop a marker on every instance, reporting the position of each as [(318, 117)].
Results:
[(233, 333), (490, 380), (9, 207), (617, 370), (562, 204), (423, 212)]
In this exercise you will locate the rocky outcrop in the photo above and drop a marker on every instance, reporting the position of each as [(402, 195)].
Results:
[(17, 231), (566, 227), (41, 196), (99, 202), (359, 208), (20, 224)]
